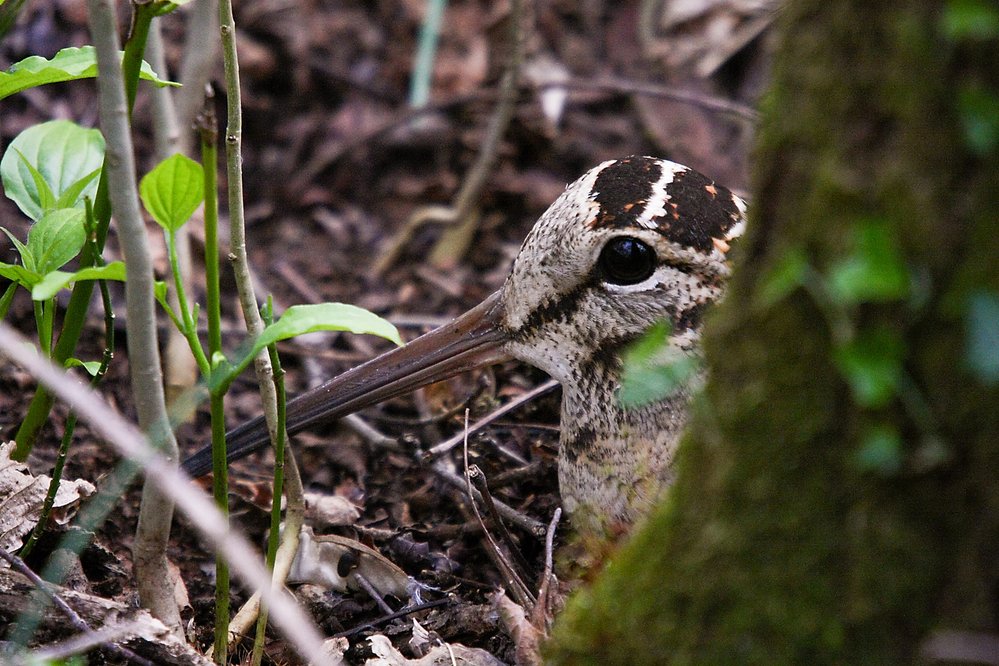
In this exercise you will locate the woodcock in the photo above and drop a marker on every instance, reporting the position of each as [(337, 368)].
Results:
[(631, 243)]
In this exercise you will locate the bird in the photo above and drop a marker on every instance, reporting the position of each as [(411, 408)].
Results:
[(633, 242)]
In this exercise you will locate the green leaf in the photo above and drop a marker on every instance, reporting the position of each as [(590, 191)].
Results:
[(160, 291), (8, 296), (970, 19), (173, 191), (982, 345), (52, 282), (218, 360), (62, 152), (979, 112), (22, 250), (74, 192), (92, 367), (160, 294), (646, 348), (300, 319), (70, 64), (786, 276), (652, 370), (880, 450), (874, 272), (872, 366), (56, 238), (19, 274), (46, 200)]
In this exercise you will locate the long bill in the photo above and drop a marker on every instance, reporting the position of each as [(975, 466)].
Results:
[(472, 340)]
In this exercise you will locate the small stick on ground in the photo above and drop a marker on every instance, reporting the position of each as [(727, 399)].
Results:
[(478, 478), (526, 523), (74, 619), (372, 592), (518, 588), (540, 617)]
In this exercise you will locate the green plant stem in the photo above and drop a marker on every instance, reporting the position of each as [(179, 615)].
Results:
[(209, 159), (237, 234), (423, 68), (227, 28), (43, 323), (79, 301), (278, 489), (67, 436), (142, 17), (50, 496), (190, 325), (220, 488)]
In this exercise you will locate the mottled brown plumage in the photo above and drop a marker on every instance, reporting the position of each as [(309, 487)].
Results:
[(631, 243)]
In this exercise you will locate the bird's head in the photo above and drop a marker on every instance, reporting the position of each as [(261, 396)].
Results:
[(631, 243)]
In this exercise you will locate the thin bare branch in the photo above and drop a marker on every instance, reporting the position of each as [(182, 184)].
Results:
[(156, 511)]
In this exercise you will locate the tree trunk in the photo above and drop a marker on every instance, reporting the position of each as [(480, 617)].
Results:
[(838, 490)]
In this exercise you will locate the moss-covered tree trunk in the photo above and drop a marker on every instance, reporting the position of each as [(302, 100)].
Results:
[(838, 491)]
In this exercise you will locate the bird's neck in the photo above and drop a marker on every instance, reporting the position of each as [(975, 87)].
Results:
[(614, 462)]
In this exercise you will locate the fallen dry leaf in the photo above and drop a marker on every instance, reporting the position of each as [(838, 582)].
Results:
[(334, 562), (22, 496)]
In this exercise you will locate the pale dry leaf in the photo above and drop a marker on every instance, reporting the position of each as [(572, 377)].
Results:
[(705, 33), (333, 562), (422, 640), (441, 655), (545, 73), (334, 649), (330, 510), (525, 635), (23, 494)]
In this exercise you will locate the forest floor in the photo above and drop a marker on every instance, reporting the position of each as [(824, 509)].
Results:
[(332, 170)]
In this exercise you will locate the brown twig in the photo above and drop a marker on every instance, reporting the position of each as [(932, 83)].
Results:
[(515, 583), (525, 523), (624, 86), (517, 474), (540, 614), (409, 610), (478, 478), (74, 619)]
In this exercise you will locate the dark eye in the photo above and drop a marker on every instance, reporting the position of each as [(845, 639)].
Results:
[(626, 260)]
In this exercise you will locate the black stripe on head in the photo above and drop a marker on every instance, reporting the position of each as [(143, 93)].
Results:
[(561, 307), (697, 210), (623, 190)]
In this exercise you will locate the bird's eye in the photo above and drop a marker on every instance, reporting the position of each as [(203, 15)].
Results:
[(625, 260)]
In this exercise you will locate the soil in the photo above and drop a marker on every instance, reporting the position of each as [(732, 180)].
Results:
[(332, 170)]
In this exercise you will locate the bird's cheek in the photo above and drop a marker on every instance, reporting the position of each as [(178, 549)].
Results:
[(547, 355)]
